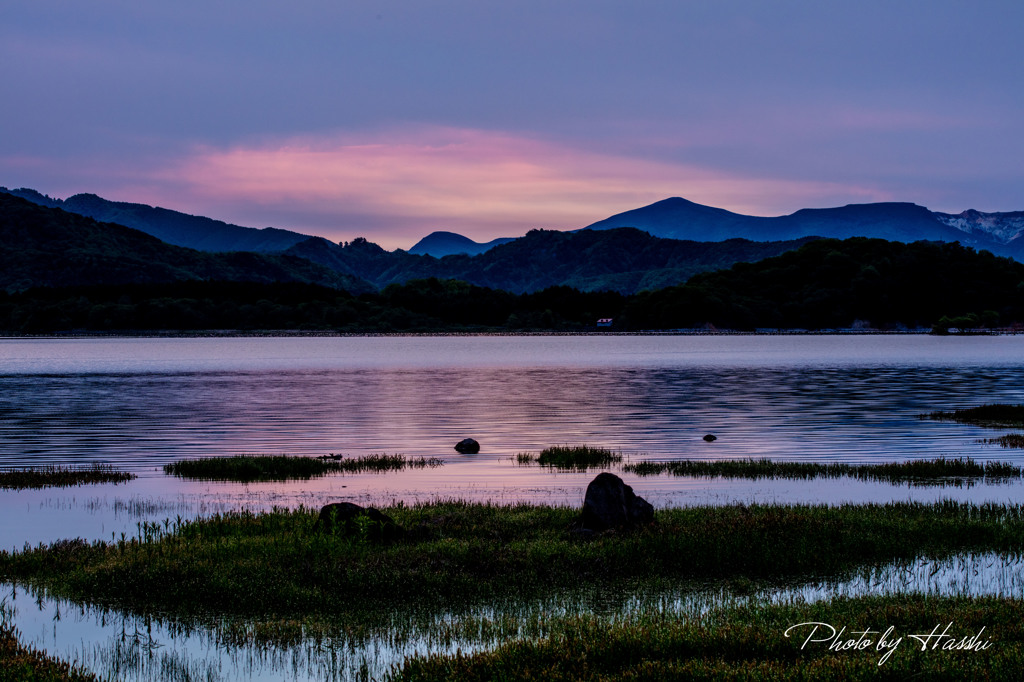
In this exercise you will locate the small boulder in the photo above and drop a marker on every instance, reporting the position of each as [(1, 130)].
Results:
[(610, 503), (710, 438), (467, 446), (344, 518)]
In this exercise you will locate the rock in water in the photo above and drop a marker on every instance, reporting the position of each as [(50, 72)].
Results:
[(467, 446), (610, 503), (344, 518), (710, 438)]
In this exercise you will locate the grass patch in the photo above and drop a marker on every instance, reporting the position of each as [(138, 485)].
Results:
[(247, 468), (916, 471), (749, 643), (19, 663), (576, 457), (1010, 440), (994, 415), (62, 477), (459, 553)]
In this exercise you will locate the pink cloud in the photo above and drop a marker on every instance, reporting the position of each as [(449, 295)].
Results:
[(484, 184)]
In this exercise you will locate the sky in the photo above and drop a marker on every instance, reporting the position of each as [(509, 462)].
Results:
[(393, 119)]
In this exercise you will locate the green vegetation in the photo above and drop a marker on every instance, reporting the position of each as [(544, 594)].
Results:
[(750, 643), (245, 468), (274, 565), (61, 477), (1011, 440), (995, 415), (922, 471), (577, 457), (22, 664)]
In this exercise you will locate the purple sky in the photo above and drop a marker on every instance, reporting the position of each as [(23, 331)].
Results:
[(393, 119)]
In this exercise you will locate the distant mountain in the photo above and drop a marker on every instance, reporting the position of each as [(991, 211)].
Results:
[(440, 244), (173, 227), (677, 218), (1005, 228), (48, 247), (623, 260)]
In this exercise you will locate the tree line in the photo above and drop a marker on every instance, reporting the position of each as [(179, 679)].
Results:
[(824, 284)]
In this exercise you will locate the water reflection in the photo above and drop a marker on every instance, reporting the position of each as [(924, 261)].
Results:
[(815, 414), (130, 648)]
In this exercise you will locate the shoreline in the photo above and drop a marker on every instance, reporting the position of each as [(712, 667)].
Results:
[(296, 333)]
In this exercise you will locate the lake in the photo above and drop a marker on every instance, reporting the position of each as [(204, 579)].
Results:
[(140, 403)]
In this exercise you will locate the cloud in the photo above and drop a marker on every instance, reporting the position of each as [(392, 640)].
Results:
[(481, 183)]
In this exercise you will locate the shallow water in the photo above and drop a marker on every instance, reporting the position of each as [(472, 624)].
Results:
[(140, 649)]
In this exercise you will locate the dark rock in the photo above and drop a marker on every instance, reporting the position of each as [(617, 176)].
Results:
[(344, 518), (710, 438), (610, 503), (467, 446)]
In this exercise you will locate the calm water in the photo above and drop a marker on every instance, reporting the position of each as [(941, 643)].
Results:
[(140, 403)]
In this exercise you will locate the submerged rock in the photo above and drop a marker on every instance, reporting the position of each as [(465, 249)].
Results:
[(345, 518), (610, 503), (467, 446)]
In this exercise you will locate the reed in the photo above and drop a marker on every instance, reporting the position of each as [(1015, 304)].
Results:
[(915, 471), (1010, 440), (61, 477), (992, 415), (577, 457), (248, 468), (19, 663)]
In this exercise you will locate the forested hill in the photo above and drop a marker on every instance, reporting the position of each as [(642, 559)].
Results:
[(625, 260), (173, 227), (826, 284), (833, 284), (48, 247)]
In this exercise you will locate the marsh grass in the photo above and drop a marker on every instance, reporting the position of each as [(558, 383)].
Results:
[(19, 663), (917, 471), (247, 468), (62, 477), (994, 415), (247, 564), (576, 457), (750, 643), (1010, 440)]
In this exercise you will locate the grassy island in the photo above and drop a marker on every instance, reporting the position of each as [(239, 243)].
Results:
[(457, 552), (248, 468), (925, 472), (572, 457), (995, 415), (61, 477)]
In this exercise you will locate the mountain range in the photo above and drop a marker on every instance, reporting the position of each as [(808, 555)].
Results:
[(173, 227), (49, 247), (439, 244), (678, 218), (674, 218), (660, 245)]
